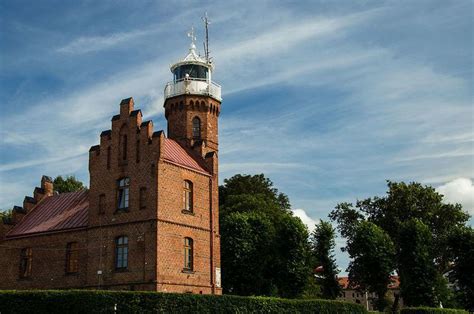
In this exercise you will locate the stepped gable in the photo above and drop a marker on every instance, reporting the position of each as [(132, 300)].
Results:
[(175, 154), (56, 213)]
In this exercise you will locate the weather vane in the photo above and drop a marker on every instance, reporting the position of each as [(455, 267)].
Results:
[(192, 36)]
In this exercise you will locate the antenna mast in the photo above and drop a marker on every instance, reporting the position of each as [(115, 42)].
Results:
[(206, 21)]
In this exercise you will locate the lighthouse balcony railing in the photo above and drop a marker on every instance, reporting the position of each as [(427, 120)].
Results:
[(193, 86)]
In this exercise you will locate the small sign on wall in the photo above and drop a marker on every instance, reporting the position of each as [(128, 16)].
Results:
[(218, 277)]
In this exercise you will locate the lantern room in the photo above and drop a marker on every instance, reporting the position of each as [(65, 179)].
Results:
[(193, 75)]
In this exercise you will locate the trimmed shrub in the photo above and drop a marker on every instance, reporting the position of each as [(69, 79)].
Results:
[(431, 310), (86, 301)]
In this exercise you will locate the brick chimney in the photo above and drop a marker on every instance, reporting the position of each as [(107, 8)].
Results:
[(47, 185), (17, 214)]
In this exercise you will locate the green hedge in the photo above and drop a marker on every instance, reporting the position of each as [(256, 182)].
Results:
[(430, 310), (84, 301)]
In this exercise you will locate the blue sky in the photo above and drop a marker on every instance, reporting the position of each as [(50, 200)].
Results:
[(327, 98)]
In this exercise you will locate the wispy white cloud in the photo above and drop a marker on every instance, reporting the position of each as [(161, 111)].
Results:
[(36, 162), (96, 43), (289, 34), (444, 155), (263, 167)]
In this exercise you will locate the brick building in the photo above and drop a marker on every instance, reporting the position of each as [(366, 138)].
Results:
[(150, 219)]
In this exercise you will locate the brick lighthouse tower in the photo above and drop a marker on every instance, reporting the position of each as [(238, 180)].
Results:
[(192, 107)]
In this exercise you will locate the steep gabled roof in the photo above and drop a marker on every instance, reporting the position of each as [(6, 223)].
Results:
[(175, 154), (55, 213)]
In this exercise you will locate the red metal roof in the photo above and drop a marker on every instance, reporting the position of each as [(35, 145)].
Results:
[(394, 282), (54, 213), (174, 153)]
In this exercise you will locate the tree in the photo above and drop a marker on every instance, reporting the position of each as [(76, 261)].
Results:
[(246, 255), (373, 259), (257, 186), (323, 244), (417, 270), (462, 248), (69, 184), (6, 214), (403, 203), (264, 247), (292, 263)]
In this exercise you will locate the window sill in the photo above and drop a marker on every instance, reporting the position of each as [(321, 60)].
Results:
[(72, 273), (187, 271), (121, 210), (187, 212), (121, 270)]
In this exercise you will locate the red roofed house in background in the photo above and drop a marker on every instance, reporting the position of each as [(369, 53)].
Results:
[(149, 220), (352, 294)]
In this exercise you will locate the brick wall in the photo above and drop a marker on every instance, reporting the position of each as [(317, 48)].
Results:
[(48, 267)]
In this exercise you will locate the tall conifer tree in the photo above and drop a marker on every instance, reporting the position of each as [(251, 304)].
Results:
[(323, 244)]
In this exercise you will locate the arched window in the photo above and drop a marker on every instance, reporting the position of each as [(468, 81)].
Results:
[(196, 128), (72, 258), (26, 258), (123, 193), (188, 253), (188, 196), (121, 252)]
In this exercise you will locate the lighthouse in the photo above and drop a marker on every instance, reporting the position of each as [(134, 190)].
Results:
[(193, 101)]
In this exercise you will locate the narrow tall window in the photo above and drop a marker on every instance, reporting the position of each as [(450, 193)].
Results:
[(137, 153), (188, 254), (142, 198), (123, 193), (101, 203), (196, 128), (121, 252), (124, 147), (26, 258), (72, 258), (108, 157), (188, 196)]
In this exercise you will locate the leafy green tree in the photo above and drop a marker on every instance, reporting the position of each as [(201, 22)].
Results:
[(292, 265), (323, 243), (462, 247), (257, 186), (68, 184), (417, 270), (373, 260), (403, 203), (6, 214), (265, 249), (246, 255)]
